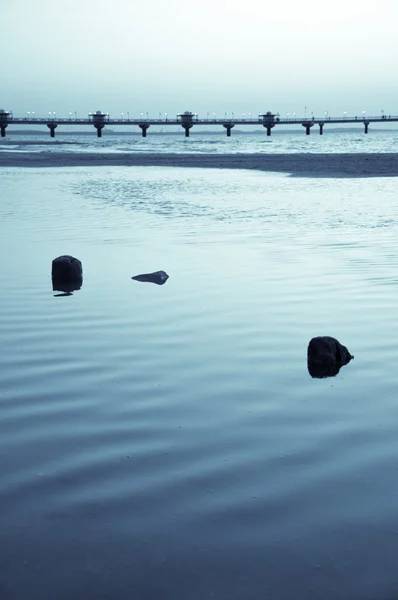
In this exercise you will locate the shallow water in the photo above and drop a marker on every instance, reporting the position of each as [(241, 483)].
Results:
[(168, 441)]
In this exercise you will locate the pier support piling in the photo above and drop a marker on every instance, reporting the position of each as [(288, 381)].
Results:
[(52, 127), (3, 130), (228, 127), (143, 127), (366, 123), (321, 128), (307, 125)]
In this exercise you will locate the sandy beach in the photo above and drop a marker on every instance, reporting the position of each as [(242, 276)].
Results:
[(308, 165)]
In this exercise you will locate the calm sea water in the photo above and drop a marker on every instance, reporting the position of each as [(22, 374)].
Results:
[(206, 142), (168, 441)]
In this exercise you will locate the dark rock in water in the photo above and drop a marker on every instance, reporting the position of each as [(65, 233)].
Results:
[(67, 274), (159, 277), (326, 356)]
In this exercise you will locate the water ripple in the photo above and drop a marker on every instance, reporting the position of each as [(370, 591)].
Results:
[(175, 429)]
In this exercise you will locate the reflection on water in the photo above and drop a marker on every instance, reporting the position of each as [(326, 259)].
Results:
[(325, 367), (171, 445), (67, 287), (65, 293)]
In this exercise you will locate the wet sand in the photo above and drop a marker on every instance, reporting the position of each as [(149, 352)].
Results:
[(308, 165)]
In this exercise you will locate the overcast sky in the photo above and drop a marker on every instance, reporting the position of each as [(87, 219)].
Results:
[(213, 56)]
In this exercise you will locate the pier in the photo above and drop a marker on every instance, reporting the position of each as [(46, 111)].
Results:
[(187, 120)]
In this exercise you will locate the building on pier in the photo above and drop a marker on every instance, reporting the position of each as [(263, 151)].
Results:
[(98, 118)]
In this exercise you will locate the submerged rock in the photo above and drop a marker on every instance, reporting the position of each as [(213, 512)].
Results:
[(326, 356), (159, 277), (66, 274)]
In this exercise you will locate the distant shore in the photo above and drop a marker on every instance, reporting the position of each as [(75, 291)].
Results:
[(305, 165)]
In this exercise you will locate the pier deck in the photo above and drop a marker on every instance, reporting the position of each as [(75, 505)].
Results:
[(188, 120)]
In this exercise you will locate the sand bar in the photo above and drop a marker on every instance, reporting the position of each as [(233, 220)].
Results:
[(308, 165)]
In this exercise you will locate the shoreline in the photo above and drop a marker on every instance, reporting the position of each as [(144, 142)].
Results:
[(304, 165)]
